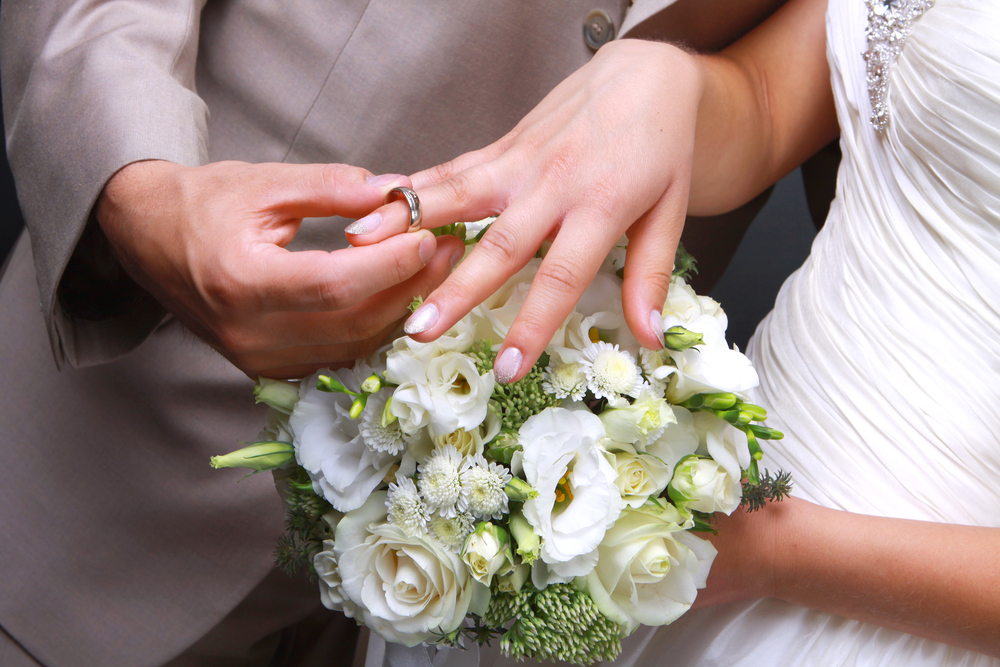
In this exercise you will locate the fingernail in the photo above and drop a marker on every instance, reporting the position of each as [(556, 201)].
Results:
[(365, 225), (383, 179), (656, 325), (427, 248), (457, 256), (422, 319), (507, 365)]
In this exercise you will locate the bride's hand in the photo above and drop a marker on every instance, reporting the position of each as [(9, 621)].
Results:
[(607, 152)]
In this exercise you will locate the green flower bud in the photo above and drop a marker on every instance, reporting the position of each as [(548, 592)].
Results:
[(512, 582), (371, 384), (720, 401), (765, 433), (519, 490), (358, 406), (332, 385), (744, 417), (258, 456), (387, 416), (280, 395), (528, 544), (759, 413), (678, 338)]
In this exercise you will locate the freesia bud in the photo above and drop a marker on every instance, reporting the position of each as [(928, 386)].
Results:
[(332, 385), (678, 338), (280, 395), (759, 413), (371, 384), (387, 416), (358, 406), (528, 543), (258, 456), (720, 401)]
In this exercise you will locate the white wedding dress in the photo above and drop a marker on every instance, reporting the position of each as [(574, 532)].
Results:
[(881, 359)]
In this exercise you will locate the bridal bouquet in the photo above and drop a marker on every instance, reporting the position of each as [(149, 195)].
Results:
[(557, 513)]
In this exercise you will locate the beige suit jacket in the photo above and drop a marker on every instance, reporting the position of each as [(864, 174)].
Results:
[(118, 544)]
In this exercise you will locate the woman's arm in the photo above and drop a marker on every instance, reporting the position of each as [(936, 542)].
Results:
[(934, 580), (616, 148)]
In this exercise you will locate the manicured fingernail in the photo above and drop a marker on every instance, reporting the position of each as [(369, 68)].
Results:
[(427, 248), (656, 325), (422, 319), (383, 179), (457, 256), (507, 365), (365, 225)]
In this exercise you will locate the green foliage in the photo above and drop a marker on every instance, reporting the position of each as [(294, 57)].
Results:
[(304, 527), (517, 401), (768, 489), (684, 263), (559, 622)]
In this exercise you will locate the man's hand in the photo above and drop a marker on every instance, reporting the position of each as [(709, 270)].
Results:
[(209, 243)]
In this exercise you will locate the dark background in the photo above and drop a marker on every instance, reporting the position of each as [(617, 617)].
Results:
[(774, 246)]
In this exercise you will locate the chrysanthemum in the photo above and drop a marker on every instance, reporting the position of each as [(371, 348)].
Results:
[(452, 532), (610, 372), (406, 510), (565, 380), (485, 484), (389, 438), (652, 360), (440, 481)]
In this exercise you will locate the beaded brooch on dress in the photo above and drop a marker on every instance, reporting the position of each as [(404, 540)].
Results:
[(889, 24)]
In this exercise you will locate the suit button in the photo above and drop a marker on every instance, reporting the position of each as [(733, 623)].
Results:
[(598, 29)]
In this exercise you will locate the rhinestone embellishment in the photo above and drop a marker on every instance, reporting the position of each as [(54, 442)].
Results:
[(889, 24)]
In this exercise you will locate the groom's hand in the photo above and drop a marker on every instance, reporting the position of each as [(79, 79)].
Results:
[(209, 244)]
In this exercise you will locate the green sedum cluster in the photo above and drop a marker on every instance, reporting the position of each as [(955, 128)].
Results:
[(517, 401), (558, 623)]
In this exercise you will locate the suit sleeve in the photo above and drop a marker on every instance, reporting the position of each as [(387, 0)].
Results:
[(88, 88)]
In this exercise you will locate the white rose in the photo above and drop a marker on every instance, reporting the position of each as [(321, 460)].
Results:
[(445, 394), (639, 475), (649, 569), (406, 589), (578, 499), (487, 552), (684, 304), (473, 441), (723, 442), (703, 485), (329, 445), (642, 421)]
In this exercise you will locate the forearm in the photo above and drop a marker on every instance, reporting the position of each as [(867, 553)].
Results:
[(934, 580), (766, 106)]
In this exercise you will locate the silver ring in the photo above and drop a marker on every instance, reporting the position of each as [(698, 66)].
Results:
[(412, 200)]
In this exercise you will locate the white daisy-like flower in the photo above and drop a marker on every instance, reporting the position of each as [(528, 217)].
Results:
[(452, 532), (485, 484), (440, 481), (565, 380), (390, 438), (651, 360), (406, 510), (611, 372)]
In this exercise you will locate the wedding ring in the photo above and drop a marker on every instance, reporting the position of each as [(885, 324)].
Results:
[(412, 200)]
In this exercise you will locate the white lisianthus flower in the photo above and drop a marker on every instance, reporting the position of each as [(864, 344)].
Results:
[(703, 485), (329, 445), (277, 394), (389, 438), (706, 369), (405, 589), (452, 532), (459, 338), (723, 442), (565, 380), (473, 441), (440, 481), (577, 496), (445, 394), (487, 552), (649, 569), (639, 423), (639, 475), (611, 373), (484, 484), (405, 508)]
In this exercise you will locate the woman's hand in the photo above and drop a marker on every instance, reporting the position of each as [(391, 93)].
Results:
[(607, 152), (209, 244)]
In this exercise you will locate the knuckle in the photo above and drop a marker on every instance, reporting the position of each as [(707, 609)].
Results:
[(364, 324), (560, 167), (560, 275), (603, 198), (443, 171), (500, 243), (330, 293), (459, 189)]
